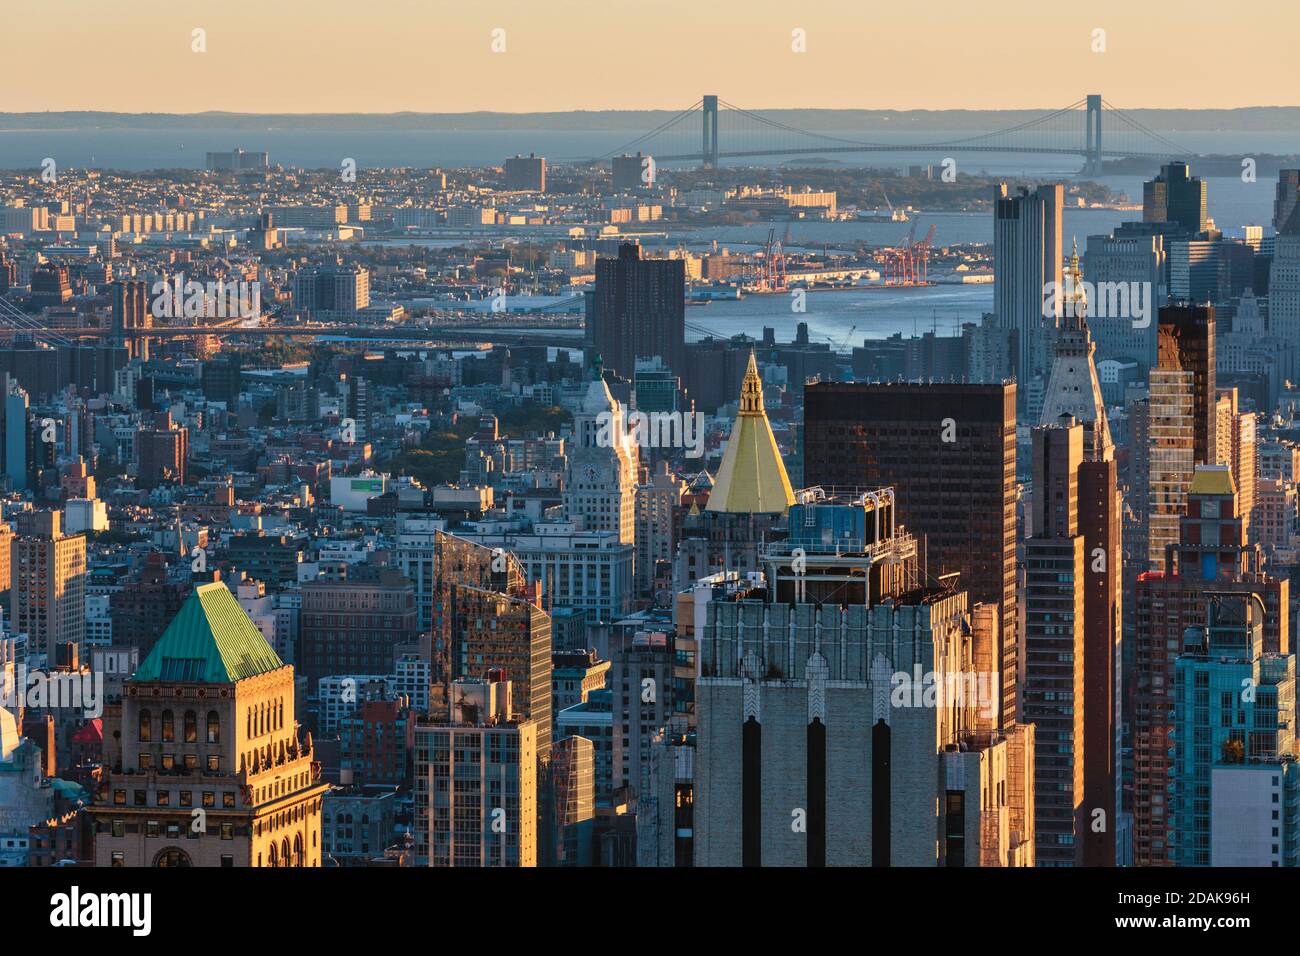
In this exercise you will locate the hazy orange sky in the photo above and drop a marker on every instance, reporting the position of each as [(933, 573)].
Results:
[(317, 56)]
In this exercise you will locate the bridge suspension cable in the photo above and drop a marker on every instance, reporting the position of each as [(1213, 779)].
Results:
[(1141, 127), (13, 318), (662, 127)]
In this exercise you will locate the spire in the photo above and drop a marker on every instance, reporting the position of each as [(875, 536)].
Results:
[(1072, 385), (751, 390), (752, 478)]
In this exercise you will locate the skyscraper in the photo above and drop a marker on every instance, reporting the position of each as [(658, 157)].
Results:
[(1234, 791), (1026, 264), (1176, 196), (509, 634), (1211, 555), (817, 742), (1183, 425), (1096, 506), (949, 450), (204, 765), (600, 486), (48, 571), (638, 311), (476, 781), (17, 439), (1054, 688)]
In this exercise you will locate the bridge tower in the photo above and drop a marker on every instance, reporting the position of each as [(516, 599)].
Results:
[(709, 152), (1092, 165)]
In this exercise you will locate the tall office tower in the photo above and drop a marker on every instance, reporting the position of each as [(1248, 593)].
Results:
[(1054, 688), (48, 570), (204, 762), (8, 273), (573, 802), (1182, 425), (17, 440), (1284, 293), (816, 743), (1170, 458), (163, 452), (526, 173), (1074, 393), (632, 172), (476, 788), (353, 621), (509, 633), (1234, 788), (658, 506), (1236, 441), (950, 451), (641, 678), (1211, 555), (1288, 194), (1176, 196), (1026, 263), (1187, 342), (1129, 276), (638, 311), (600, 486)]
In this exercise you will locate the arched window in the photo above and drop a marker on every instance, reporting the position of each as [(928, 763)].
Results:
[(275, 856), (284, 852), (172, 856), (146, 725), (214, 727), (248, 729), (191, 727), (168, 726), (297, 850)]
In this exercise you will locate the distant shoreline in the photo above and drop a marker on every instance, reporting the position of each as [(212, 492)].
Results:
[(1239, 119)]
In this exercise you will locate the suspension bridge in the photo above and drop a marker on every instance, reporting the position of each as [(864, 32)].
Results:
[(712, 129)]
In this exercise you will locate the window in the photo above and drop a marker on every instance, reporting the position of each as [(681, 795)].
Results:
[(214, 727), (168, 726), (191, 727), (146, 726)]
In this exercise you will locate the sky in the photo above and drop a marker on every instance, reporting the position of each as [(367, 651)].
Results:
[(337, 56)]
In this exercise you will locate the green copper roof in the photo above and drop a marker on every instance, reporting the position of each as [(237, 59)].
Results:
[(210, 641)]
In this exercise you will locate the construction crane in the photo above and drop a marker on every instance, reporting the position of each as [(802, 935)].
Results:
[(772, 275), (909, 264)]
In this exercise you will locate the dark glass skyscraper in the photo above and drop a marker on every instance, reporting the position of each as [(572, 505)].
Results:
[(638, 310), (1175, 195), (949, 450)]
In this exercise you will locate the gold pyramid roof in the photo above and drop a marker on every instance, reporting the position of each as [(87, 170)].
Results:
[(752, 478)]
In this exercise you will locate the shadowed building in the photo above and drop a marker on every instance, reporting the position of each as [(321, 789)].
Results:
[(949, 451)]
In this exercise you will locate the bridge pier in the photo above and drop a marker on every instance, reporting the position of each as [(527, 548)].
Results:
[(709, 150), (1092, 164)]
